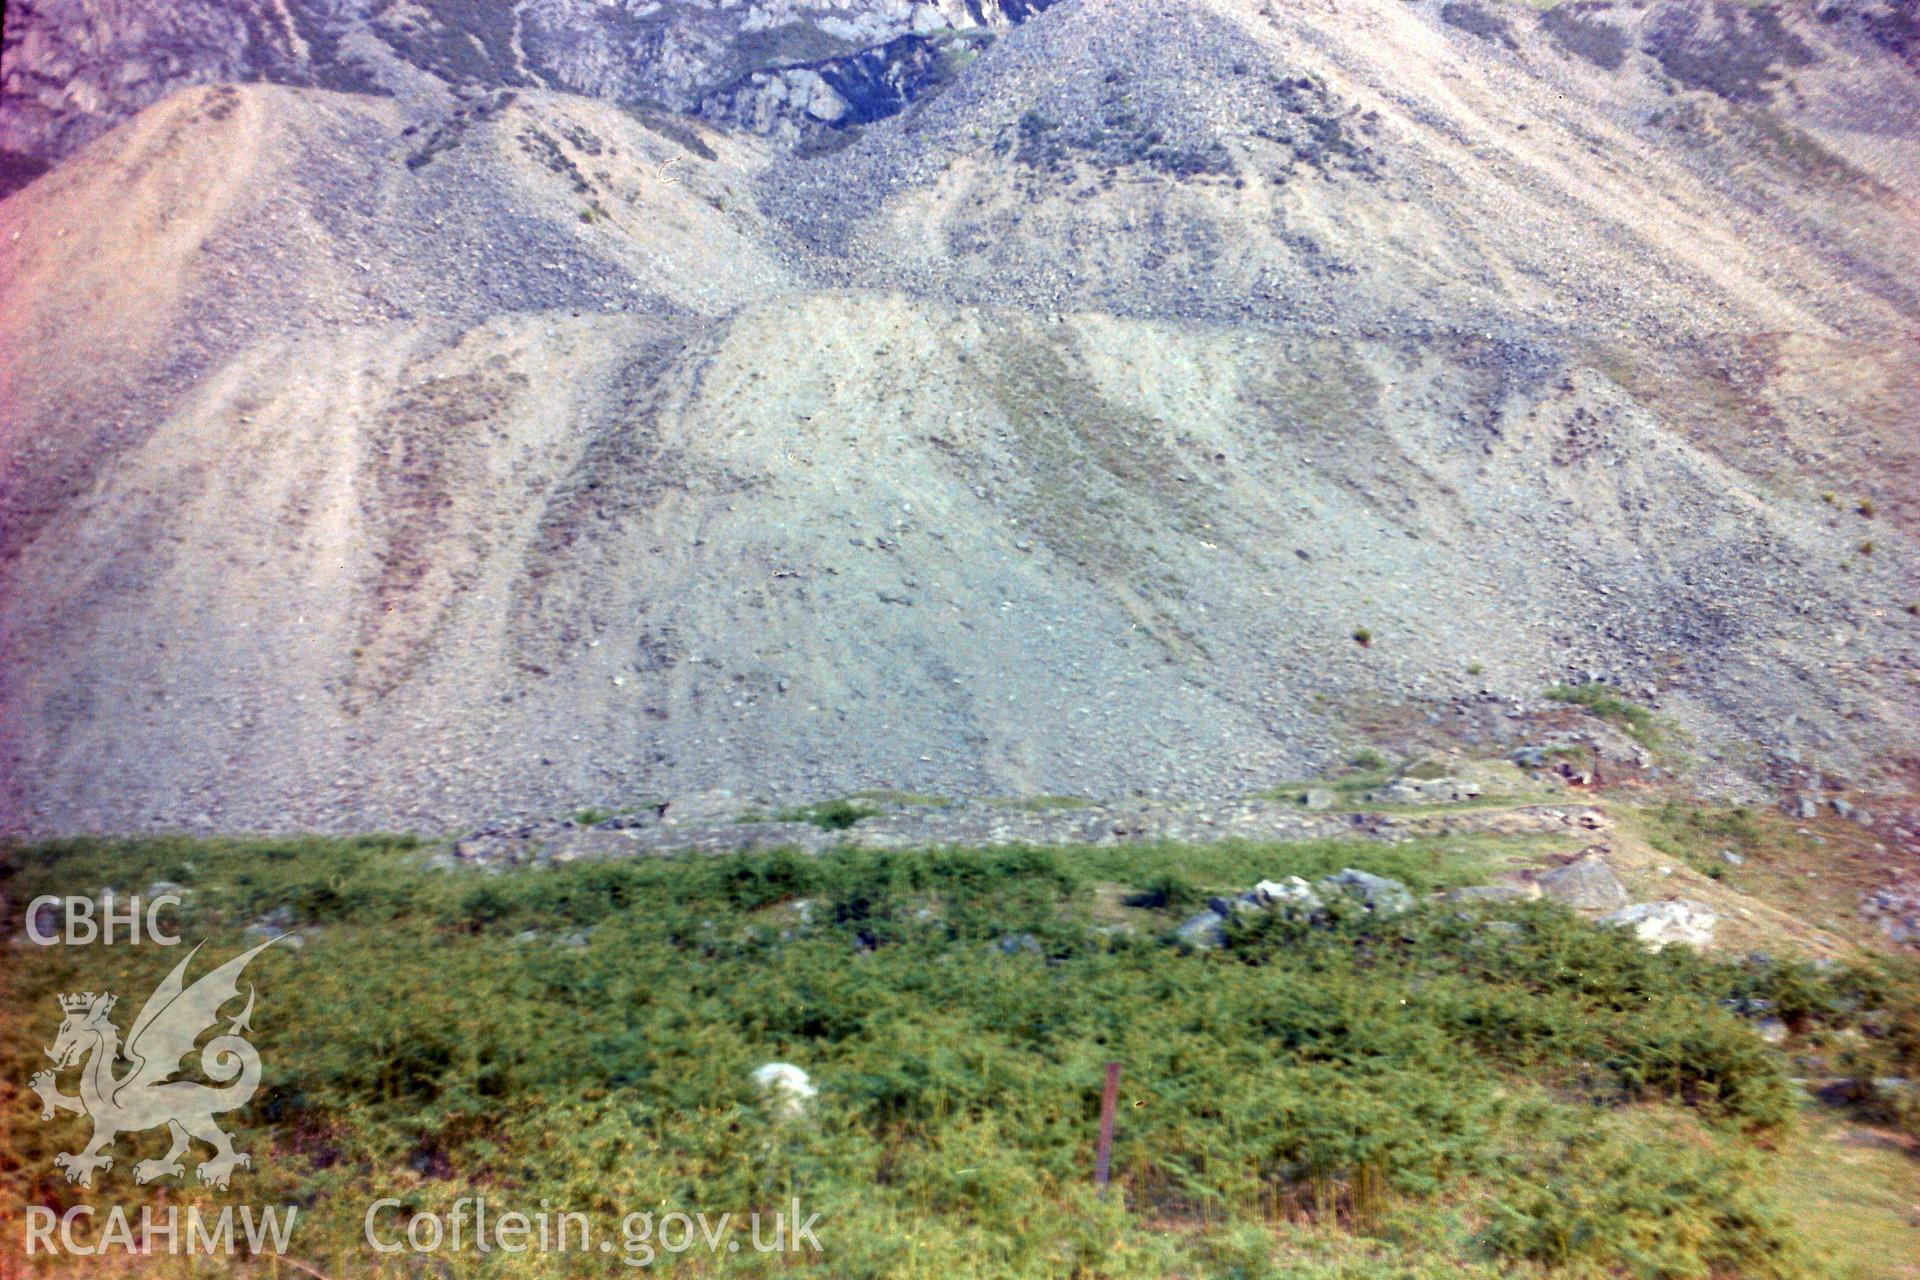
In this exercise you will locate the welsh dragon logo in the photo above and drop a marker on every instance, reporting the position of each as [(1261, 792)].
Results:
[(145, 1096)]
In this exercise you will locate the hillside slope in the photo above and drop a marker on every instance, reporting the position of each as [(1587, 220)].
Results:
[(361, 466)]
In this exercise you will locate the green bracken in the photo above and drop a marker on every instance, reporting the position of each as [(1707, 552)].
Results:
[(1463, 1090)]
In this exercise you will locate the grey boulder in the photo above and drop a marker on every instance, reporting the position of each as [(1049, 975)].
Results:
[(1379, 894), (1203, 931), (1585, 884)]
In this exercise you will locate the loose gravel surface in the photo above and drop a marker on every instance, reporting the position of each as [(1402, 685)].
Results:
[(1178, 402)]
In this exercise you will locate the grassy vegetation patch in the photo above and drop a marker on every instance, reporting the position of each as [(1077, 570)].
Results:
[(1601, 43), (1800, 157), (1606, 703), (904, 799), (827, 141), (1422, 1095), (1349, 785), (1743, 57), (545, 150), (1702, 835), (786, 45), (959, 49), (1851, 1190), (672, 128), (462, 41), (1120, 131), (1477, 21), (1045, 804), (828, 815), (1895, 27), (1320, 129), (444, 135)]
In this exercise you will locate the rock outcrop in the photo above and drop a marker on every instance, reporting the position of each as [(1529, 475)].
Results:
[(1663, 924), (1585, 884)]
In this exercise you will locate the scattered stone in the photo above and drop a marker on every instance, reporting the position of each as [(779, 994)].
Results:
[(1732, 859), (703, 808), (1807, 808), (646, 817), (1015, 943), (1662, 924), (995, 824), (493, 848), (1426, 791), (1897, 910), (1319, 798)]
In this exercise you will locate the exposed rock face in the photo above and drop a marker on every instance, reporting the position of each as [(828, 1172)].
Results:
[(793, 102), (76, 67), (783, 67)]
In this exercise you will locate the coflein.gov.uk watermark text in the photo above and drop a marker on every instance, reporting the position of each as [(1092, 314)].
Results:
[(470, 1226)]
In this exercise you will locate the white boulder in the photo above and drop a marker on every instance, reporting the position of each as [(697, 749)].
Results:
[(786, 1087), (1660, 924)]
